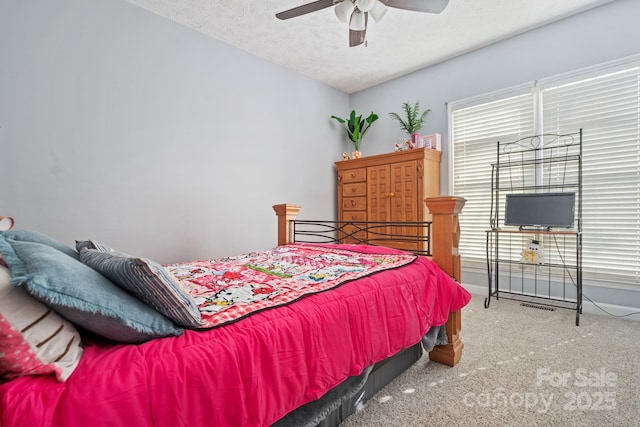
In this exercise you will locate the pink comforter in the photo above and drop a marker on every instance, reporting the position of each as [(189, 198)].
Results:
[(248, 373)]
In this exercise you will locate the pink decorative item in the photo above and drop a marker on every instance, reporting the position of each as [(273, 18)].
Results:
[(432, 141), (415, 138)]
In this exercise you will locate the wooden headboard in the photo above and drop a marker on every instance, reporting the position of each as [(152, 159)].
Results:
[(444, 236)]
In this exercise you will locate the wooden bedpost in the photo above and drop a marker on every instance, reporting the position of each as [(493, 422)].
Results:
[(285, 212), (445, 236)]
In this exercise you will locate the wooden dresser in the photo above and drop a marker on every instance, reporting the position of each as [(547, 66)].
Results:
[(389, 187)]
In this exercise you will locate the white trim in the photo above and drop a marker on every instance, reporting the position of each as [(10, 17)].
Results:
[(538, 124), (497, 95), (450, 148), (591, 71)]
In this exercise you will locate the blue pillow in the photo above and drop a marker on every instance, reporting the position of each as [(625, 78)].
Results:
[(147, 280), (81, 294), (36, 237)]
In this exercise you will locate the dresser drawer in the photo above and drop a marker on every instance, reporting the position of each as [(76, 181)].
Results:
[(354, 203), (354, 189), (355, 216), (354, 175)]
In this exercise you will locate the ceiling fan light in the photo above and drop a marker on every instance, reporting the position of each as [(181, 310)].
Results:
[(344, 10), (366, 5), (357, 21), (378, 11)]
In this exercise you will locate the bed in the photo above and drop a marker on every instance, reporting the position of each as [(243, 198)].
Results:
[(310, 358)]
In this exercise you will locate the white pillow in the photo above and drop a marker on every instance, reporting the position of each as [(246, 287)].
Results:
[(34, 340)]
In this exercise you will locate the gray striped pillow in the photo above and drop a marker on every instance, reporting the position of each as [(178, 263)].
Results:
[(148, 281)]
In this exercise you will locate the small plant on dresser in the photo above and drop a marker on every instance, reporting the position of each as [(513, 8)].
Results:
[(355, 127), (413, 121)]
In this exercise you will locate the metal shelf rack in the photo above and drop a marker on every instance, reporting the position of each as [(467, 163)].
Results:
[(536, 164)]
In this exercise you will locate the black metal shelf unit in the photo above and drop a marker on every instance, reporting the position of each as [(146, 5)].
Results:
[(536, 262)]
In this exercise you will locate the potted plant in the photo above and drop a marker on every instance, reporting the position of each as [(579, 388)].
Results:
[(413, 119), (356, 127)]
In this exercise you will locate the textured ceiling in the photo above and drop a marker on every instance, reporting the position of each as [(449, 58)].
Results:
[(316, 44)]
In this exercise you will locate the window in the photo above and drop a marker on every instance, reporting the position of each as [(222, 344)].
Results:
[(605, 103), (475, 131)]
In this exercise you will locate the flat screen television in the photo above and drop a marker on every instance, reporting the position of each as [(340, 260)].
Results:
[(551, 210)]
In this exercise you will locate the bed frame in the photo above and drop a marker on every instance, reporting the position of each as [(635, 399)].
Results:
[(442, 246)]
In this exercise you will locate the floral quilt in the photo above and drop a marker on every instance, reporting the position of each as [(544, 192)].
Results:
[(227, 289)]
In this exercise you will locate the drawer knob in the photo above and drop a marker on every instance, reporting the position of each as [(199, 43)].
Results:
[(353, 203), (353, 189), (353, 174)]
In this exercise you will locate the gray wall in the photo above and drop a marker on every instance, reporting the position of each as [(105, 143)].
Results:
[(599, 35), (119, 125)]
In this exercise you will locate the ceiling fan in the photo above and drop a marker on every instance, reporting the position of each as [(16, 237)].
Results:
[(357, 12)]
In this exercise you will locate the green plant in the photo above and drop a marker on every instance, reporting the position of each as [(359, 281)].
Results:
[(414, 119), (356, 126)]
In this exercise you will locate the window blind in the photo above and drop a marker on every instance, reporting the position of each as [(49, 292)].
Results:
[(475, 132), (607, 107)]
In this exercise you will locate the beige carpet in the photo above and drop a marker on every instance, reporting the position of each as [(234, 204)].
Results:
[(521, 366)]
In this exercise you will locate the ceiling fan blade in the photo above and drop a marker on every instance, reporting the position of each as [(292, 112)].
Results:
[(428, 6), (304, 9), (356, 38)]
